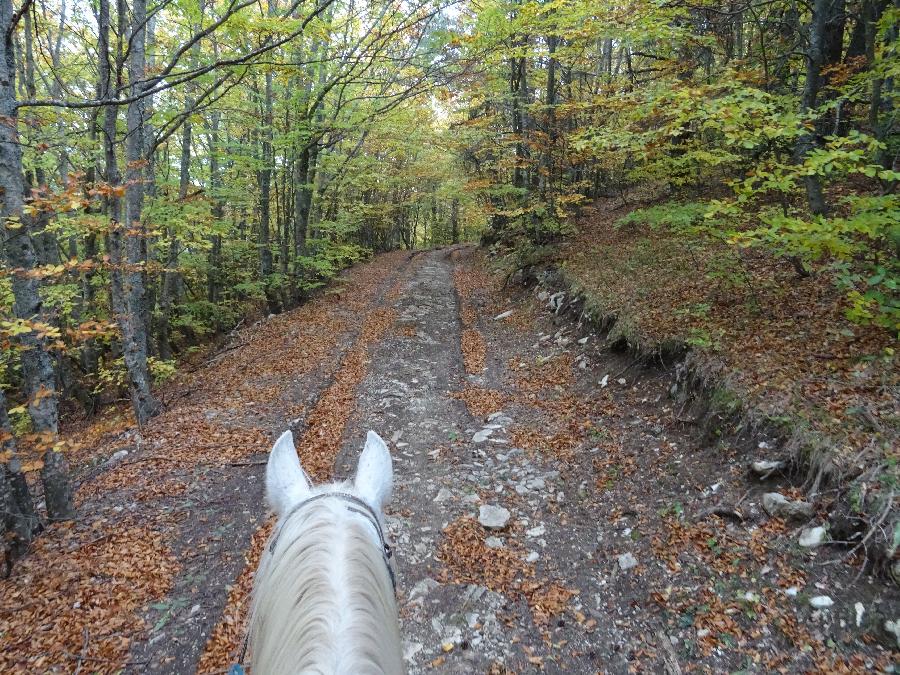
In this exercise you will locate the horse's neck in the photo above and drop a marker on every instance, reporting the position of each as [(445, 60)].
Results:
[(323, 599)]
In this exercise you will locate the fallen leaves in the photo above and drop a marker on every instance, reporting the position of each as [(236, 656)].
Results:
[(467, 559), (552, 373), (76, 598), (222, 647), (785, 346), (178, 440), (322, 439), (318, 448), (474, 351), (480, 402), (561, 445), (472, 344)]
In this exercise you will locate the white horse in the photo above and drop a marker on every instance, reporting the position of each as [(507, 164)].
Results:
[(323, 598)]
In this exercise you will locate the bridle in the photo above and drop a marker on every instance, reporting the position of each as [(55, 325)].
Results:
[(355, 505)]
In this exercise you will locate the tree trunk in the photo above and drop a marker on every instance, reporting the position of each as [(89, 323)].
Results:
[(214, 261), (265, 198), (46, 248), (132, 319), (550, 99), (37, 363), (301, 201), (825, 15), (17, 514), (454, 220), (518, 95)]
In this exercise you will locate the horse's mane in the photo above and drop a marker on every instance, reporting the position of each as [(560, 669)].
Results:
[(323, 601)]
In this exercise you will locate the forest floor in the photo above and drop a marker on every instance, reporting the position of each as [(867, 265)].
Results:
[(611, 557), (771, 340)]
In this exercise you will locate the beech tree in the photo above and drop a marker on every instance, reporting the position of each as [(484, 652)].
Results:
[(170, 168), (115, 267)]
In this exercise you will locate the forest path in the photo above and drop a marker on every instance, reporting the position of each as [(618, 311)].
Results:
[(604, 553), (497, 405)]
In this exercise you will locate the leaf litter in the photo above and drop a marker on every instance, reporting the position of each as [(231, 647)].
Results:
[(78, 599), (317, 448)]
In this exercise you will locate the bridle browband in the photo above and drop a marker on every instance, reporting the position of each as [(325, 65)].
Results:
[(355, 505)]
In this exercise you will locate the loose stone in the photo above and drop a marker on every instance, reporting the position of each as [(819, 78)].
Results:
[(493, 517)]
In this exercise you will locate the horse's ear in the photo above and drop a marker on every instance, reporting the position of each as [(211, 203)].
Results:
[(286, 482), (374, 473)]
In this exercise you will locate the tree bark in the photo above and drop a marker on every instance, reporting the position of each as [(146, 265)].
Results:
[(265, 198), (46, 248), (17, 514), (823, 45), (454, 220), (37, 362), (132, 319), (214, 261)]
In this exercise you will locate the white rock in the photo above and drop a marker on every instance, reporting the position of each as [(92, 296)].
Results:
[(532, 557), (821, 602), (536, 531), (627, 561), (583, 341), (779, 506), (605, 381), (556, 301), (505, 314), (860, 610), (494, 542), (117, 456), (621, 381), (792, 591), (493, 517), (410, 649), (893, 627), (764, 466), (811, 537), (500, 420), (482, 436), (443, 495)]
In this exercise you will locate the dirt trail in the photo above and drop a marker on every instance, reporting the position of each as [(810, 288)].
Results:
[(608, 561), (605, 557)]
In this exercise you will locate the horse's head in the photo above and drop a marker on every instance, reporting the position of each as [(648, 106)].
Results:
[(287, 484), (324, 594)]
